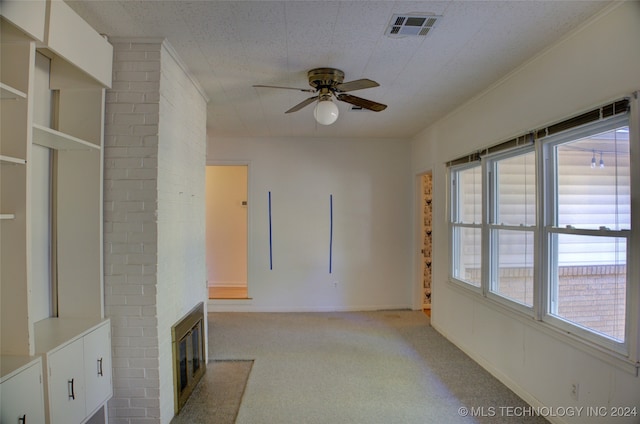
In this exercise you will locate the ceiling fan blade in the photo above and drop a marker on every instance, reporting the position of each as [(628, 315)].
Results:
[(364, 103), (356, 85), (308, 90), (302, 104)]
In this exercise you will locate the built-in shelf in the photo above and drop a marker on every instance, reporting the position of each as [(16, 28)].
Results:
[(9, 93), (4, 216), (53, 332), (11, 160), (57, 140), (10, 365)]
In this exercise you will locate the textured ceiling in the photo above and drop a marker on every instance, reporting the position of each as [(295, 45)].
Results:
[(230, 45)]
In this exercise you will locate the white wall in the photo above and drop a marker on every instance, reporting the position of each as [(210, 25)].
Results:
[(371, 253), (226, 189), (598, 63)]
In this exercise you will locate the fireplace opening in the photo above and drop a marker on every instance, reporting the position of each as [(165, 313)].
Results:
[(189, 364)]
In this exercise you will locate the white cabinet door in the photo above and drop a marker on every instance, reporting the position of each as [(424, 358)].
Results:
[(66, 384), (97, 362), (22, 398)]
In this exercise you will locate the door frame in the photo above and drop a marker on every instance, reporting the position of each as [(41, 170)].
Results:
[(246, 163), (418, 293)]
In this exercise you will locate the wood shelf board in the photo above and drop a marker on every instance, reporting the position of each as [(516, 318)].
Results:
[(11, 160), (51, 333), (11, 365), (57, 140), (9, 93)]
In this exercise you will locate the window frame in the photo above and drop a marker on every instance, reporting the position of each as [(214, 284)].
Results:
[(492, 226), (455, 225), (543, 263), (549, 228)]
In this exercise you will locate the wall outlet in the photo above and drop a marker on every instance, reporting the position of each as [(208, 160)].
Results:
[(575, 391)]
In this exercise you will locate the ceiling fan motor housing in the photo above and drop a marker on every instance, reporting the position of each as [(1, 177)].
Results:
[(325, 77)]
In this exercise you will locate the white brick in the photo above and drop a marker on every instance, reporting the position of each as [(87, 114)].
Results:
[(128, 392), (119, 129), (150, 46), (144, 86), (131, 412), (129, 352), (147, 403), (119, 86), (126, 310), (129, 373), (125, 163), (127, 332), (115, 300), (143, 130), (119, 107), (151, 353), (128, 55), (125, 141), (140, 300), (129, 119), (142, 362), (152, 108), (153, 159)]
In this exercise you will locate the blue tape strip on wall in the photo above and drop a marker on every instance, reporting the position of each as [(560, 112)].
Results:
[(270, 236), (330, 233)]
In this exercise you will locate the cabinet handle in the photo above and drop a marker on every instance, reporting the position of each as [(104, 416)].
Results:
[(100, 374), (72, 394), (23, 419)]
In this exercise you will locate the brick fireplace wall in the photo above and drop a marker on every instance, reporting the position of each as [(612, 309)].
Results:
[(155, 137)]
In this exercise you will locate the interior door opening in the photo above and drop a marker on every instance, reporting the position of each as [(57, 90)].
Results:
[(226, 232), (426, 189)]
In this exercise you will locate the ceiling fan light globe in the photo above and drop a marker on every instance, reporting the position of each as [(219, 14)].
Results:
[(325, 112)]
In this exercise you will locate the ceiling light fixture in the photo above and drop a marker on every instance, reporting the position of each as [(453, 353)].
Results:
[(326, 112)]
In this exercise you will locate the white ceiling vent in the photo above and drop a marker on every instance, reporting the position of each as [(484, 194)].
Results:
[(414, 24)]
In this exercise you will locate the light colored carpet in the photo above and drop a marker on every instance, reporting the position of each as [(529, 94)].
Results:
[(355, 367)]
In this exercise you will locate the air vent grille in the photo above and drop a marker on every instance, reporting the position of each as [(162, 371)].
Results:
[(418, 25)]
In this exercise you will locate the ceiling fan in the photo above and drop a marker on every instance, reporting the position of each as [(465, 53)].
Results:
[(328, 83)]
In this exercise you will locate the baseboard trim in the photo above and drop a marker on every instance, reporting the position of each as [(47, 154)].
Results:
[(246, 305)]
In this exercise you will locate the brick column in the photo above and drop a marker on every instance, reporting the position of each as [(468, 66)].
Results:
[(130, 208), (155, 153)]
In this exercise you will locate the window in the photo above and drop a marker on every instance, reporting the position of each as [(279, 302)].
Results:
[(588, 228), (512, 225), (544, 227), (466, 220)]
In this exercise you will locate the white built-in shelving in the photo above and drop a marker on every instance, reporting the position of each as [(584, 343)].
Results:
[(9, 93), (72, 101), (10, 160), (57, 140)]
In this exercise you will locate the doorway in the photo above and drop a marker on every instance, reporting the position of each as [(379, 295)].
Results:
[(426, 197), (226, 231)]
